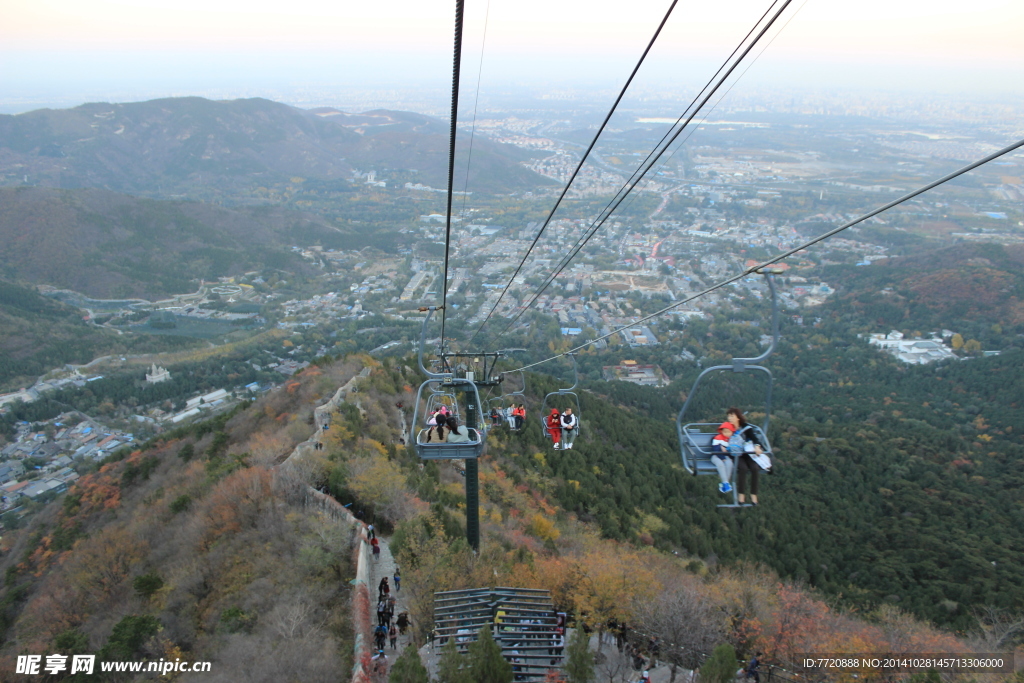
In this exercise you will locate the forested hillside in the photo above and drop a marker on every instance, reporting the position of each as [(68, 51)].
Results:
[(539, 509), (38, 334), (915, 470), (975, 289), (880, 495), (194, 547), (109, 245), (203, 148)]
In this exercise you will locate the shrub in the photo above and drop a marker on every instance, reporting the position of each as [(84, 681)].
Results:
[(147, 584)]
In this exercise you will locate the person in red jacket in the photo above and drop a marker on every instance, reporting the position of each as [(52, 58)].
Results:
[(554, 425), (519, 413)]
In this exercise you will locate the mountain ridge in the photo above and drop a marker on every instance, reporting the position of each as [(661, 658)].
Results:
[(110, 245), (168, 146)]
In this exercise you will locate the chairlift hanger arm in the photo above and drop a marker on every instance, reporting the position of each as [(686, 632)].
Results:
[(423, 343), (739, 363)]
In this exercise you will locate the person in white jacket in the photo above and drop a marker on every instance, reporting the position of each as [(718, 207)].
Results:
[(569, 428)]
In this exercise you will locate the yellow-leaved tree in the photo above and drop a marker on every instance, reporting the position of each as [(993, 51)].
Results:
[(381, 483), (612, 583)]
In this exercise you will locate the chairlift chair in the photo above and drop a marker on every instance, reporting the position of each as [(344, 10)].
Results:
[(504, 403), (574, 399), (695, 437), (444, 384), (519, 394), (441, 396), (496, 405)]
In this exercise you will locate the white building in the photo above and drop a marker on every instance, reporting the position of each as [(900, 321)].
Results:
[(157, 374), (912, 351)]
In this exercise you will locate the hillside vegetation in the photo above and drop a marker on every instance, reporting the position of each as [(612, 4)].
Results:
[(38, 334), (109, 245), (976, 289), (829, 563), (195, 146), (725, 581), (194, 548)]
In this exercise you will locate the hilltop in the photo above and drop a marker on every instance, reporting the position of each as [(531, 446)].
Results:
[(110, 245), (193, 146), (977, 289)]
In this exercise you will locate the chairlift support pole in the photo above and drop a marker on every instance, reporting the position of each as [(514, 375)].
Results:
[(472, 411)]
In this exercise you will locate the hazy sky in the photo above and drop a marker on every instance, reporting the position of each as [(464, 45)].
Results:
[(66, 51)]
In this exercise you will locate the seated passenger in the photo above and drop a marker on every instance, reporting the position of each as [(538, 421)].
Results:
[(437, 434), (554, 426), (457, 433), (720, 457), (570, 426), (520, 415), (750, 447)]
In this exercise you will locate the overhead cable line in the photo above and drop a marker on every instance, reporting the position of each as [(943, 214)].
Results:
[(688, 107), (714, 106), (476, 102), (579, 166), (456, 67), (775, 259), (646, 166)]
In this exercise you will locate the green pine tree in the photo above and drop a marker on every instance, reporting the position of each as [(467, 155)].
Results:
[(486, 664), (721, 665), (449, 668), (579, 664), (409, 668)]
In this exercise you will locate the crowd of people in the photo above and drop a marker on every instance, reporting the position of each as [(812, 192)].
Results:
[(389, 628)]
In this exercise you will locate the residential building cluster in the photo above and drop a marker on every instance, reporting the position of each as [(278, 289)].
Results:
[(40, 460)]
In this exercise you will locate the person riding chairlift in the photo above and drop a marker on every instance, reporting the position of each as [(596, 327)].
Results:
[(569, 425), (749, 445), (554, 425), (519, 415), (457, 433)]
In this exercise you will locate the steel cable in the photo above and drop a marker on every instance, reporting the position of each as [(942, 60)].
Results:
[(636, 178), (456, 67), (775, 259), (579, 166)]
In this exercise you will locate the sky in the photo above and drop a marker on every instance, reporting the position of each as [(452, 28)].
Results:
[(64, 52)]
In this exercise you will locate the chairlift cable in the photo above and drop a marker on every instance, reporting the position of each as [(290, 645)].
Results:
[(780, 257), (693, 129), (634, 180), (584, 237), (456, 67), (476, 102), (579, 166)]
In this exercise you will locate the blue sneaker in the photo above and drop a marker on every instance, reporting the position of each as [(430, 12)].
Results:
[(724, 487)]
